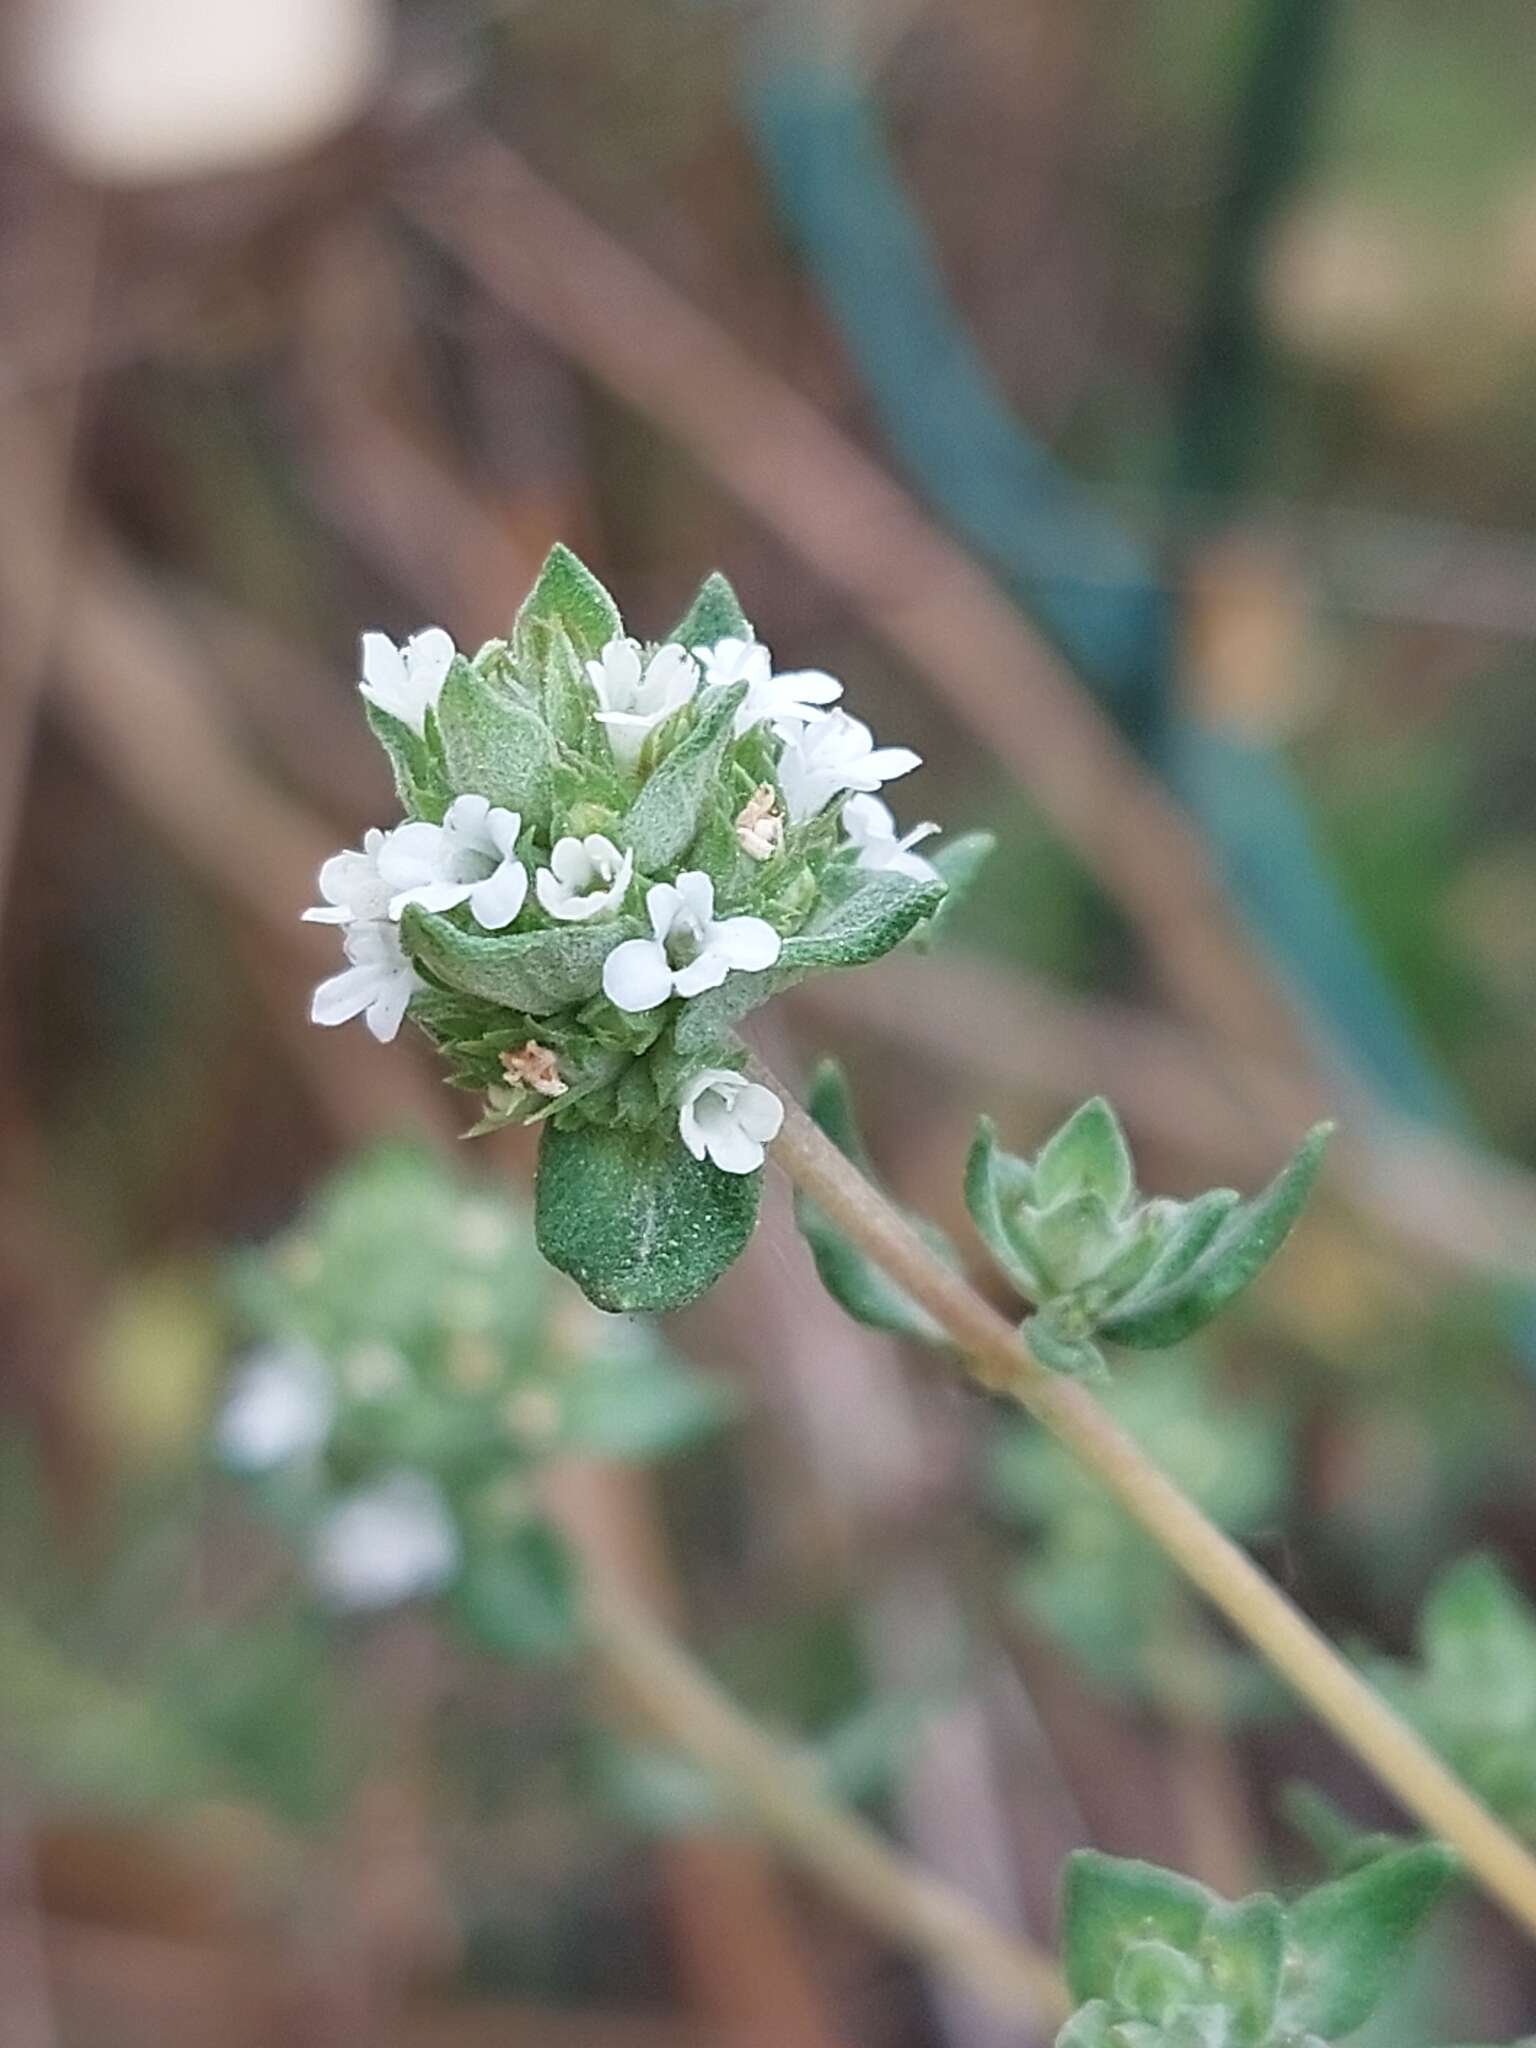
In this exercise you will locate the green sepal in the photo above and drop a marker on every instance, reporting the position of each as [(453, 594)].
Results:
[(1241, 1247), (636, 1221), (997, 1185), (860, 926), (536, 973), (1108, 1902), (1087, 1155), (495, 745), (518, 1595), (420, 781), (1243, 1950), (1154, 1980), (714, 615), (1061, 1351), (670, 808), (568, 597), (957, 862), (854, 1282), (1348, 1937)]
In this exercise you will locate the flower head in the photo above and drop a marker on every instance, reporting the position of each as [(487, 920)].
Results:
[(377, 984), (585, 879), (728, 1119), (387, 1542), (833, 754), (871, 833), (407, 681), (278, 1411), (353, 888), (470, 858), (637, 695), (794, 697), (689, 951)]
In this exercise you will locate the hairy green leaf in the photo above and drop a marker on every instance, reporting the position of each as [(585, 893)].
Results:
[(997, 1184), (714, 615), (420, 781), (567, 597), (670, 808), (874, 917), (534, 972), (1088, 1155), (1348, 1938), (1108, 1902), (495, 745)]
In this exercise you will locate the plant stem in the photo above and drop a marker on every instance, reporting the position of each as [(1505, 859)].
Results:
[(998, 1359), (779, 1789)]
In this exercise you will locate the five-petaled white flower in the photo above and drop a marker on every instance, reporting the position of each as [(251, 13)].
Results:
[(470, 858), (387, 1542), (377, 984), (586, 878), (833, 754), (690, 950), (278, 1411), (795, 697), (730, 1119), (871, 832), (637, 695), (354, 890), (407, 681)]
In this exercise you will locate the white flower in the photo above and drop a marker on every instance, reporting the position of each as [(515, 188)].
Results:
[(690, 950), (729, 1118), (797, 696), (638, 695), (279, 1409), (377, 984), (407, 681), (470, 858), (385, 1543), (834, 754), (872, 831), (354, 890), (586, 878)]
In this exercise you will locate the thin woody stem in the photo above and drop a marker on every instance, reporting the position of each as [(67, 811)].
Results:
[(779, 1790), (997, 1358)]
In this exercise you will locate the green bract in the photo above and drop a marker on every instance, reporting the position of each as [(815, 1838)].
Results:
[(1155, 1960), (522, 1013), (1072, 1234)]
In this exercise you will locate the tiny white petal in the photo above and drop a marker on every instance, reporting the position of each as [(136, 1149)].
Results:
[(748, 943), (637, 975), (495, 902), (278, 1410), (388, 1542)]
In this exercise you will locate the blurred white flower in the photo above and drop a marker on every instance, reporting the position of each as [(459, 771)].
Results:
[(278, 1410), (470, 858), (586, 878), (385, 1543), (794, 697), (354, 890), (407, 681), (377, 984), (728, 1118), (871, 831), (138, 91), (835, 753), (637, 695), (690, 950)]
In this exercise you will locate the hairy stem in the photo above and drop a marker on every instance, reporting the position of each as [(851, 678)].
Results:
[(779, 1790), (997, 1358)]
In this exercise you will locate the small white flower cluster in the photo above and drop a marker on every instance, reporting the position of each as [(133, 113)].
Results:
[(472, 860), (388, 1541)]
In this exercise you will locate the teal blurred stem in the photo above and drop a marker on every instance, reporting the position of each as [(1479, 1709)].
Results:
[(1093, 588)]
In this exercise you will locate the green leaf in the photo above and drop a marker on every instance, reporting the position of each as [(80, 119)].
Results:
[(1348, 1938), (638, 1403), (1088, 2028), (1109, 1902), (861, 926), (1073, 1240), (1239, 1250), (519, 1597), (997, 1184), (570, 703), (1477, 1627), (1185, 1237), (567, 597), (635, 1219), (1154, 1981), (1243, 1949), (958, 862), (1088, 1155), (671, 807), (495, 745), (534, 972), (854, 1282), (420, 782), (714, 615)]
